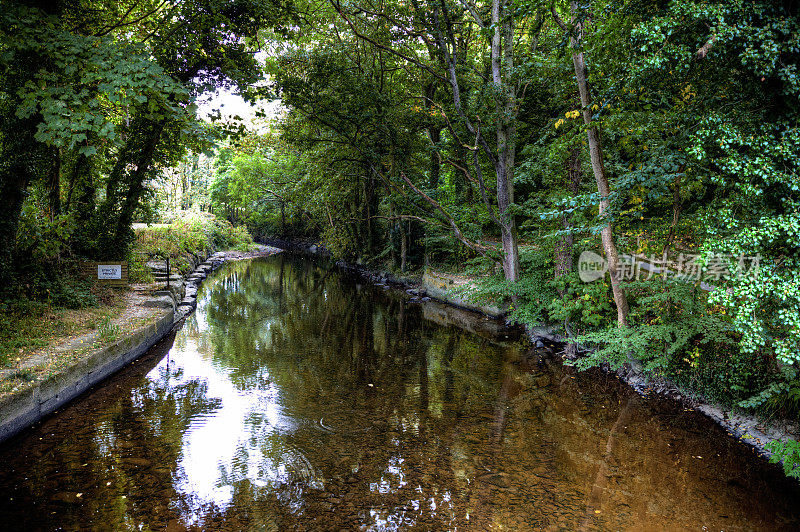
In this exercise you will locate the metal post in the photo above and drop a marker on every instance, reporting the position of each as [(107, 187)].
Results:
[(167, 272)]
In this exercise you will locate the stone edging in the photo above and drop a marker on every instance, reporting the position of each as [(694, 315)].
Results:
[(20, 410), (438, 286), (193, 282)]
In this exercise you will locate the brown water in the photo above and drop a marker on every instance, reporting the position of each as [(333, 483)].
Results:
[(297, 399)]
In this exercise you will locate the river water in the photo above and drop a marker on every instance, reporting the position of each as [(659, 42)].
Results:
[(296, 398)]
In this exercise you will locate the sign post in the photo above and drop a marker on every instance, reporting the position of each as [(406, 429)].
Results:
[(107, 273)]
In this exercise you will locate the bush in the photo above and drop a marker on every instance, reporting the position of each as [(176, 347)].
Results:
[(191, 234), (138, 272), (73, 293), (226, 236)]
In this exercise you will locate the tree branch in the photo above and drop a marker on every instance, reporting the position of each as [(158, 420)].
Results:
[(563, 25), (702, 52), (337, 6), (471, 8), (475, 246)]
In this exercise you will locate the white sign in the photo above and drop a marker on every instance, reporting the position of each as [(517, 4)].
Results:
[(109, 271)]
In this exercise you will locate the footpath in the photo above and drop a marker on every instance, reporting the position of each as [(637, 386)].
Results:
[(44, 380)]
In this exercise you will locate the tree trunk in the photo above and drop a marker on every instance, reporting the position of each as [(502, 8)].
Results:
[(13, 183), (435, 133), (136, 181), (676, 212), (505, 138), (54, 185), (12, 195), (598, 168), (184, 173), (502, 156), (403, 245)]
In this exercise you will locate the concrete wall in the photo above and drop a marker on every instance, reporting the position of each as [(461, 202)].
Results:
[(22, 409), (442, 287)]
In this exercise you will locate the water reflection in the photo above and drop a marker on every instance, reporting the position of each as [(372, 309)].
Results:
[(294, 398)]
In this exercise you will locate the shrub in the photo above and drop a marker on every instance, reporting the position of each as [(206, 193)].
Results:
[(786, 452), (138, 272), (193, 233), (73, 292), (225, 236)]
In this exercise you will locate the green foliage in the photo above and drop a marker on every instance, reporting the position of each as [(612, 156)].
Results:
[(225, 236), (787, 453), (73, 292), (532, 295), (12, 314), (338, 240), (138, 272), (103, 73), (108, 331), (668, 318), (583, 307), (262, 183), (193, 233), (41, 239), (95, 103)]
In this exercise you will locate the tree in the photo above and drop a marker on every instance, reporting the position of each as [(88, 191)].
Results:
[(106, 95), (576, 29), (425, 37)]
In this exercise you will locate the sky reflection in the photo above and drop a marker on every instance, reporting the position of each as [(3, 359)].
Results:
[(240, 440)]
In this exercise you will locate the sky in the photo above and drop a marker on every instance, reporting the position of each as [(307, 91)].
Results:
[(230, 104)]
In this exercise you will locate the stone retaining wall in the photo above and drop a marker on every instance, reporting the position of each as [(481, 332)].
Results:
[(444, 288), (20, 410)]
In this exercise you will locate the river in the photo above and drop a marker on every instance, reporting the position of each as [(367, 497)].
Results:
[(297, 398)]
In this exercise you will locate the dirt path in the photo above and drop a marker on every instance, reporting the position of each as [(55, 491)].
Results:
[(76, 333)]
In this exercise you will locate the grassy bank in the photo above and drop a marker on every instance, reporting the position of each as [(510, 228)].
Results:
[(27, 326), (187, 235)]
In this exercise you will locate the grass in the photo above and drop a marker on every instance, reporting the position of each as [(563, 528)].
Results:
[(79, 324), (27, 326), (108, 332), (194, 232)]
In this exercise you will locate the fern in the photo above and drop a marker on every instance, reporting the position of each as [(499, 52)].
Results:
[(787, 453)]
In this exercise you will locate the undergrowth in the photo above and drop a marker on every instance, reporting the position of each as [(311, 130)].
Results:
[(193, 233)]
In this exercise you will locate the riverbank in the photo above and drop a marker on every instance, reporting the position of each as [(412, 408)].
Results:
[(42, 380), (51, 377), (755, 431), (360, 409)]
